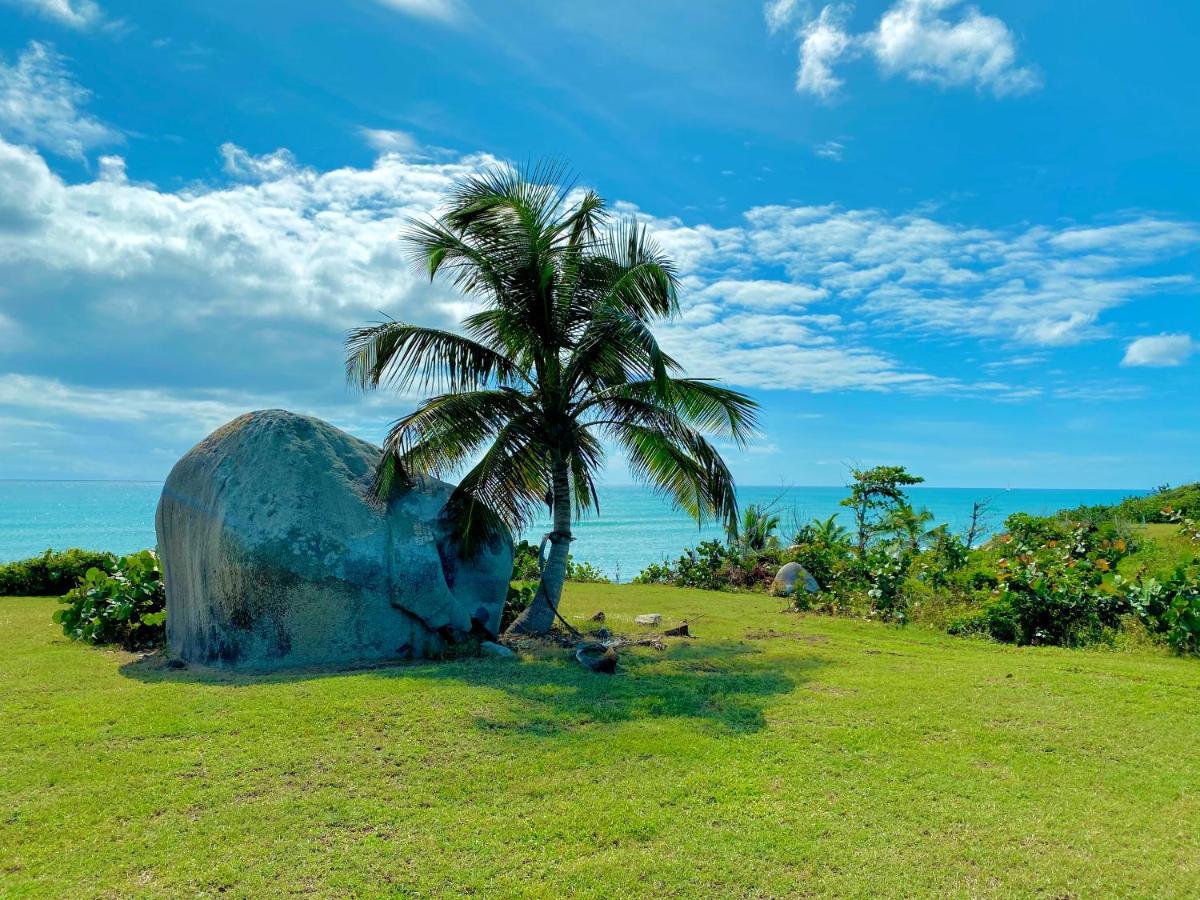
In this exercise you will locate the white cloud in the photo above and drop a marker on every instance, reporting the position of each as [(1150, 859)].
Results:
[(762, 294), (779, 13), (39, 105), (830, 150), (81, 14), (292, 241), (447, 11), (51, 396), (383, 140), (913, 38), (1159, 350), (237, 294), (273, 166), (823, 43), (1035, 286)]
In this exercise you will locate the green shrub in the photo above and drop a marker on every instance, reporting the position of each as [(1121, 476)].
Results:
[(525, 562), (125, 606), (886, 569), (1051, 583), (518, 599), (827, 554), (1170, 607), (52, 574), (1159, 506), (584, 572), (525, 567), (998, 620), (706, 566)]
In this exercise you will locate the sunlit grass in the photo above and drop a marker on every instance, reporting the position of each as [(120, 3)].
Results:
[(773, 755)]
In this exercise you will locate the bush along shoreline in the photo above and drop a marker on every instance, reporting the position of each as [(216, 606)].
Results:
[(1098, 575)]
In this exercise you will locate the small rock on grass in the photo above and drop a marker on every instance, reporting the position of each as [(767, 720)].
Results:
[(499, 651), (649, 619)]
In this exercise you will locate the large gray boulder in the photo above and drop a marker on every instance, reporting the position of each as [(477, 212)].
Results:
[(274, 555), (792, 577)]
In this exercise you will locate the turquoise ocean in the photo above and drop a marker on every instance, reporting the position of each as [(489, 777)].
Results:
[(635, 527)]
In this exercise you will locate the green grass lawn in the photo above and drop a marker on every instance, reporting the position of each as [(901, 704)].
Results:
[(773, 755)]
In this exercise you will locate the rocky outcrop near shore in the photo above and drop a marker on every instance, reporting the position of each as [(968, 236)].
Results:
[(275, 554)]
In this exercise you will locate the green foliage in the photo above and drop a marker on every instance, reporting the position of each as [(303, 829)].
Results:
[(875, 494), (757, 531), (907, 526), (1164, 505), (823, 547), (886, 569), (584, 573), (946, 555), (1170, 606), (125, 606), (525, 562), (1057, 579), (706, 566), (515, 602), (525, 567), (53, 573), (559, 364), (1051, 588)]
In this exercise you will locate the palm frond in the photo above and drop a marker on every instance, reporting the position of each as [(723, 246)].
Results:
[(616, 348), (684, 467), (698, 403), (638, 276), (446, 431), (402, 355), (506, 488)]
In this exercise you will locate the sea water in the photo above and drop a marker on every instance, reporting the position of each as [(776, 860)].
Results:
[(634, 526)]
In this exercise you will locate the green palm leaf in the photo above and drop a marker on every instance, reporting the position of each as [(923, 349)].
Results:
[(559, 359)]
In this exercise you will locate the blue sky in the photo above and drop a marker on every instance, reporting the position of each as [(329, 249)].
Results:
[(959, 237)]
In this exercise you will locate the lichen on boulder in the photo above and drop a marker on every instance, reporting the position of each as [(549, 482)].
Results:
[(275, 554)]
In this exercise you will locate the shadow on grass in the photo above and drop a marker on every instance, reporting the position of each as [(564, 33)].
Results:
[(725, 684)]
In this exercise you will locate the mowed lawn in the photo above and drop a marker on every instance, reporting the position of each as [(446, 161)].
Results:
[(773, 755)]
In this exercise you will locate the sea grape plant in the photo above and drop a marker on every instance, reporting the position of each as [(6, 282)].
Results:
[(126, 606)]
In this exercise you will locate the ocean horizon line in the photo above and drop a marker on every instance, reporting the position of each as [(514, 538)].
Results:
[(625, 484)]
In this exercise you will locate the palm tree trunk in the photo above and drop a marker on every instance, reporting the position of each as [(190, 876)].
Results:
[(538, 617)]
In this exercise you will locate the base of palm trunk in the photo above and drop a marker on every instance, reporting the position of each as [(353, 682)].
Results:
[(536, 618)]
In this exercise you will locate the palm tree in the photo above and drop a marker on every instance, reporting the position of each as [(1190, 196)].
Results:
[(559, 360), (757, 530), (908, 525), (824, 531)]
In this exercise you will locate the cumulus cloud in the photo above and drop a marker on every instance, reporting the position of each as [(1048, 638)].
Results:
[(274, 166), (823, 43), (172, 310), (39, 105), (79, 14), (1159, 350), (290, 241), (914, 39)]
